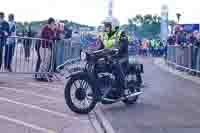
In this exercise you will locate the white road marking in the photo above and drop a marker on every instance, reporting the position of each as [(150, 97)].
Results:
[(61, 85), (33, 94), (53, 88), (35, 127), (38, 108)]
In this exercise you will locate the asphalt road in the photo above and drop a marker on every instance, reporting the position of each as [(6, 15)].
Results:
[(27, 106), (169, 104)]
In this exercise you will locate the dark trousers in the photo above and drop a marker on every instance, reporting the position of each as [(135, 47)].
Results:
[(38, 62), (194, 57), (27, 52), (118, 72), (37, 67), (9, 52), (27, 48), (1, 55)]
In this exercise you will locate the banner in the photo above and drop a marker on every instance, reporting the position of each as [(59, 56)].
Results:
[(190, 27)]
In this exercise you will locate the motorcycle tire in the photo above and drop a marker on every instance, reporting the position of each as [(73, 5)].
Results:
[(68, 98)]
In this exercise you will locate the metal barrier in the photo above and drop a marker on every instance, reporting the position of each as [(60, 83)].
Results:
[(25, 55), (184, 58)]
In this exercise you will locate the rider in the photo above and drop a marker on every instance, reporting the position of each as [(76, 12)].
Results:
[(113, 38)]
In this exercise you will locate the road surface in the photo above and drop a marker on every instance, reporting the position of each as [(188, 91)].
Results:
[(27, 106), (170, 104)]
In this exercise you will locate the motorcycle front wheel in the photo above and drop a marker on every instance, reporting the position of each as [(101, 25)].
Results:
[(80, 95)]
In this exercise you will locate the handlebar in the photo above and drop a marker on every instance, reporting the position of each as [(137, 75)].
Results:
[(105, 54), (98, 51), (106, 51)]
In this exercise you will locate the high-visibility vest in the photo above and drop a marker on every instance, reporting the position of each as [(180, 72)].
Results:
[(157, 44), (113, 40)]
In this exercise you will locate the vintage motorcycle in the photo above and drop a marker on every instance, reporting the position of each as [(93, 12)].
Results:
[(98, 81)]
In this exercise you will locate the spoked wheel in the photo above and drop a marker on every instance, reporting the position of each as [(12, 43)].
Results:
[(80, 95), (132, 86)]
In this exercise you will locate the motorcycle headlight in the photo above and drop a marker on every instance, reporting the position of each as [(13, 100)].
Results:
[(83, 56)]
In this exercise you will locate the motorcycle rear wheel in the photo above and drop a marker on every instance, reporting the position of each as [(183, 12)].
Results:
[(132, 84), (80, 95)]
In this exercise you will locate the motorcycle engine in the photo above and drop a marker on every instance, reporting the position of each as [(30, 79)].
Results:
[(107, 81)]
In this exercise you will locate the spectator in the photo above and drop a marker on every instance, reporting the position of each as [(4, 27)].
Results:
[(47, 33), (4, 32), (10, 47), (98, 44), (171, 40), (197, 44), (181, 42), (76, 38), (180, 37), (151, 46), (37, 49), (59, 49), (194, 50), (145, 47), (27, 42), (192, 39), (68, 33)]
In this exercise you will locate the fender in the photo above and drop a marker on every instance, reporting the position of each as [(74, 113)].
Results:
[(83, 74)]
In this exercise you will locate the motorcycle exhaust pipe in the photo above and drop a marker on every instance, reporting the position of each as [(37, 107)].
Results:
[(132, 95), (123, 98)]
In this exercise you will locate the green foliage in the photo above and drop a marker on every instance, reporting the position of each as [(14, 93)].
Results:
[(146, 26)]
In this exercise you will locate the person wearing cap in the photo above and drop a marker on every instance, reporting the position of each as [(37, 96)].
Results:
[(4, 32), (10, 46)]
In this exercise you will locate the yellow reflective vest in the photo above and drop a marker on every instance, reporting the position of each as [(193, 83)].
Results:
[(113, 40)]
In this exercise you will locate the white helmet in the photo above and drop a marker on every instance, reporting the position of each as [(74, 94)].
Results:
[(113, 21)]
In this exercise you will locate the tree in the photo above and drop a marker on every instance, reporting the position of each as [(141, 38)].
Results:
[(178, 15), (156, 19), (138, 19), (147, 26), (148, 19), (131, 25)]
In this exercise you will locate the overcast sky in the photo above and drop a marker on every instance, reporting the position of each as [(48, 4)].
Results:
[(92, 12)]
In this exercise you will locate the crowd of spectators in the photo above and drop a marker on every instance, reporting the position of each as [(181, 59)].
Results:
[(7, 28), (51, 50), (184, 48), (149, 47), (49, 47)]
